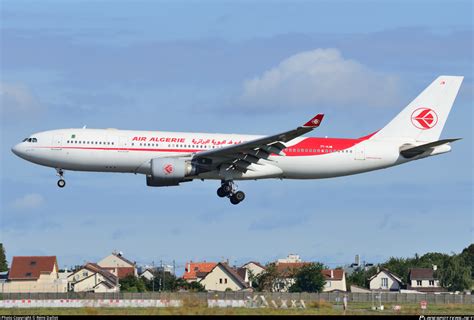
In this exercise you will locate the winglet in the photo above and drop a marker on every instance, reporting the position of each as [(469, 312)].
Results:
[(315, 122)]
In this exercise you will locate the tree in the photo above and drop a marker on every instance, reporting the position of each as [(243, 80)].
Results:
[(132, 284), (267, 280), (163, 281), (192, 286), (3, 259), (468, 256), (455, 274), (309, 278), (169, 282), (361, 277), (400, 266)]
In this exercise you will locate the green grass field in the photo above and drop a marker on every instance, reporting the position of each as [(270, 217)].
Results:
[(323, 309)]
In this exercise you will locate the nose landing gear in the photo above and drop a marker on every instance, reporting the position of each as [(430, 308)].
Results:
[(228, 189), (61, 181)]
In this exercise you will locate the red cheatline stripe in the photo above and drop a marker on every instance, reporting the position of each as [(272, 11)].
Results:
[(305, 147)]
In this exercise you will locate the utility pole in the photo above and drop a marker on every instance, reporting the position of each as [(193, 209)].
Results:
[(154, 271), (161, 278), (164, 286), (174, 268)]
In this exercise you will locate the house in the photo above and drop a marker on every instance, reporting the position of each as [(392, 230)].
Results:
[(93, 278), (384, 280), (34, 274), (424, 280), (335, 280), (254, 268), (196, 271), (224, 278), (243, 273), (117, 264), (286, 270), (63, 277), (292, 258), (147, 274)]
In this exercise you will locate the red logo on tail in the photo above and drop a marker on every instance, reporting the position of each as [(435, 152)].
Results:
[(168, 168), (424, 118)]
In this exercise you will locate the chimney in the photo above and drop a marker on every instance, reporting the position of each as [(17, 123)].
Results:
[(332, 273)]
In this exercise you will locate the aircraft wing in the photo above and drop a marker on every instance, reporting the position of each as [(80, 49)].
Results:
[(242, 155)]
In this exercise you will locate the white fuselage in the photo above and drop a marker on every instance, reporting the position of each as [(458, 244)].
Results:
[(112, 150)]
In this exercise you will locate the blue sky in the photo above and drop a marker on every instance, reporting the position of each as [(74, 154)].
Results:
[(201, 66)]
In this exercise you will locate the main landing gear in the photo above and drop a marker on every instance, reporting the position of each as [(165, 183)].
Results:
[(61, 181), (229, 190)]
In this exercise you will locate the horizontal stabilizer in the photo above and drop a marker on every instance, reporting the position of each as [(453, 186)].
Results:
[(415, 151)]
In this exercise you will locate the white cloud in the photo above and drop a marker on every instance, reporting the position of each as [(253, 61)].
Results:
[(17, 99), (28, 201), (320, 77)]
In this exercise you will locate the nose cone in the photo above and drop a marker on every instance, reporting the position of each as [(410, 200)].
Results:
[(17, 150)]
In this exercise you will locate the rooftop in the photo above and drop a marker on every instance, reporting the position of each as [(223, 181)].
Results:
[(31, 267)]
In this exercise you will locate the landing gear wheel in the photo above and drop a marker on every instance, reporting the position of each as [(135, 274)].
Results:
[(227, 188), (61, 183), (221, 192), (233, 200), (239, 195)]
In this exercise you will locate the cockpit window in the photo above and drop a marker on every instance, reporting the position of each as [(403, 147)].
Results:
[(25, 139), (30, 140)]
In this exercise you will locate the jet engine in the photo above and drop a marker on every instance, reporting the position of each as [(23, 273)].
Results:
[(170, 172)]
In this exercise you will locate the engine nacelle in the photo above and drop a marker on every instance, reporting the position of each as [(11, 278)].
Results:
[(169, 172)]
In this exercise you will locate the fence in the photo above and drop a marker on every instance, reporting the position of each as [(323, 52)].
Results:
[(333, 297)]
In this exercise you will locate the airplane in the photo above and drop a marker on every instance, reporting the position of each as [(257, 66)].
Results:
[(171, 158)]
